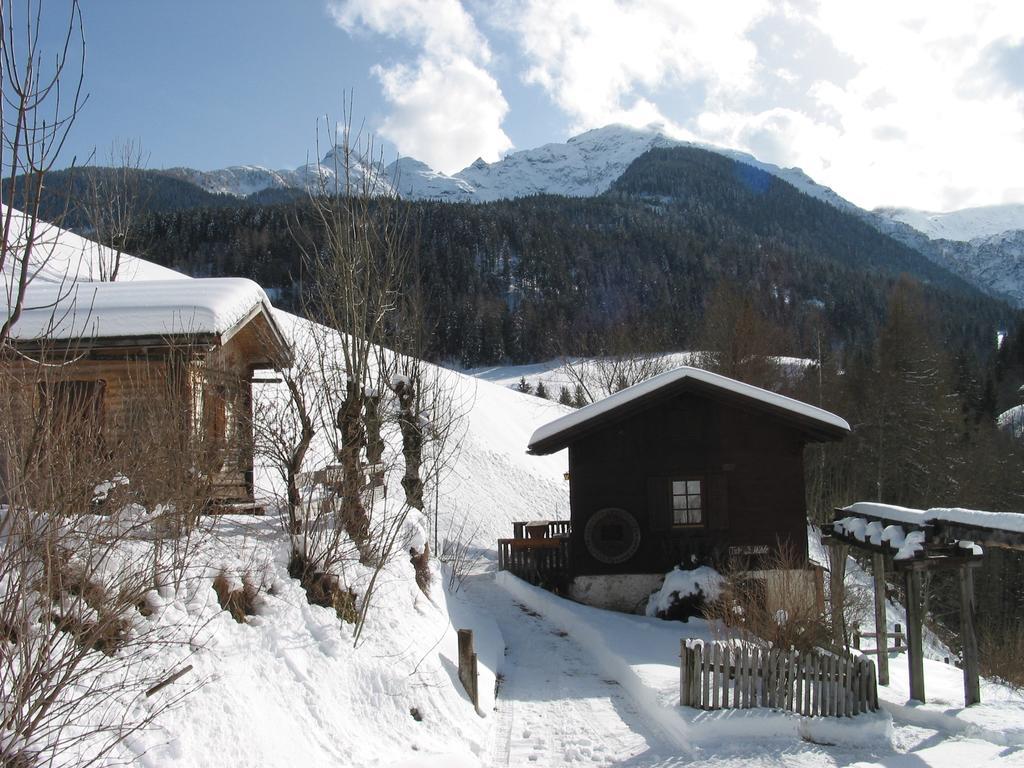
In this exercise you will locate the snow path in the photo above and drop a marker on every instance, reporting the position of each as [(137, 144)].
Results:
[(553, 707)]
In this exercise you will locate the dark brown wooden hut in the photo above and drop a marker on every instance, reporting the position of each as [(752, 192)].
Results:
[(686, 468)]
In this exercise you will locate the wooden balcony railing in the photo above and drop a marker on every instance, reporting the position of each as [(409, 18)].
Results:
[(539, 553)]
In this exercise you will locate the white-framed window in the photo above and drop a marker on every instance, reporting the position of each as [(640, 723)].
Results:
[(688, 501)]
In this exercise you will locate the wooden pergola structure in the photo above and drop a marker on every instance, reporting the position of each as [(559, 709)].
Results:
[(919, 541)]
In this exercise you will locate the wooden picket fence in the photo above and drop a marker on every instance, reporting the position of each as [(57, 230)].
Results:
[(723, 675)]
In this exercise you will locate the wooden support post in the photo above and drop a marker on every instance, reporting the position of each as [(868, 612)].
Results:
[(837, 591), (969, 637), (915, 626), (881, 635), (684, 674), (467, 665)]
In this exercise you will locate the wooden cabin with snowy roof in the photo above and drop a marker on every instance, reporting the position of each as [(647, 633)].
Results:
[(687, 468), (97, 355)]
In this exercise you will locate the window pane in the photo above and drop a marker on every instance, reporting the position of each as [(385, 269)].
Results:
[(693, 486), (678, 486), (678, 502), (695, 516), (680, 517), (693, 502)]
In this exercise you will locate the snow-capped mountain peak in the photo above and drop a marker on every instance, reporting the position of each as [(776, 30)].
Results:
[(585, 165), (965, 225)]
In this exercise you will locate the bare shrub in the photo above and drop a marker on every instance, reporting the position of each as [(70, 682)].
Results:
[(773, 607), (1001, 648), (324, 589), (459, 554), (240, 599), (102, 512)]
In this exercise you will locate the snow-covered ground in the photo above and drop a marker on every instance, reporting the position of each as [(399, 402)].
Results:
[(564, 372), (575, 685)]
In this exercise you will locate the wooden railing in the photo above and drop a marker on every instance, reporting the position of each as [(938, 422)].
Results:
[(898, 637), (720, 675), (553, 528), (539, 553)]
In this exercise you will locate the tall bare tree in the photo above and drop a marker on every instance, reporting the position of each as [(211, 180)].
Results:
[(354, 252), (739, 341), (40, 98), (112, 205)]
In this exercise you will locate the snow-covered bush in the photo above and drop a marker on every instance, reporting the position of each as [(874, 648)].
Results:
[(685, 593)]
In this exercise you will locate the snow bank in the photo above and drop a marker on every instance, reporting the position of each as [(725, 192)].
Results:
[(642, 654), (678, 584), (288, 687), (998, 718)]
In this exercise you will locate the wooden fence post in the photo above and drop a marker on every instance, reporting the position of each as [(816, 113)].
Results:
[(881, 636), (467, 665)]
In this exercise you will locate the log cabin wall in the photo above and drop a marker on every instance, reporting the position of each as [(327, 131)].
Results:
[(206, 394), (749, 467)]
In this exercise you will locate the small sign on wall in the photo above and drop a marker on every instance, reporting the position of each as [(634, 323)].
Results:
[(748, 549)]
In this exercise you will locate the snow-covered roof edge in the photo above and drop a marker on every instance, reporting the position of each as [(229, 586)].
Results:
[(94, 310), (578, 419)]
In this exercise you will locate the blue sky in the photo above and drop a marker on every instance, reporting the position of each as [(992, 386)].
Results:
[(209, 84), (909, 103)]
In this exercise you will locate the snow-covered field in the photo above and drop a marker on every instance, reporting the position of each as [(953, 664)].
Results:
[(574, 685)]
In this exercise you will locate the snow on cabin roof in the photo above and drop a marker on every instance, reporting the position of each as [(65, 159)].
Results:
[(560, 432), (73, 310), (973, 518)]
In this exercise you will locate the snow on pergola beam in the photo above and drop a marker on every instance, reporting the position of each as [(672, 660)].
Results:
[(940, 524)]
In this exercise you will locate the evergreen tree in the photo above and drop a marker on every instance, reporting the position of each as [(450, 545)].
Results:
[(564, 396), (524, 386), (541, 390), (579, 398), (911, 413)]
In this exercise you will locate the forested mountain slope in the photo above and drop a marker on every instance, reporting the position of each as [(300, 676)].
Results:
[(528, 278)]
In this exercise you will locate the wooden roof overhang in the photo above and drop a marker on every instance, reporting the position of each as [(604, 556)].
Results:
[(812, 429)]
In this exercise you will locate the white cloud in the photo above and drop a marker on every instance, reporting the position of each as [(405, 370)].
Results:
[(445, 107), (916, 102), (593, 56), (441, 112)]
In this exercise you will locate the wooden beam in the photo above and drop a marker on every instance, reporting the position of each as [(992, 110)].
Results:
[(915, 627), (937, 562), (881, 625), (985, 537), (969, 637)]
